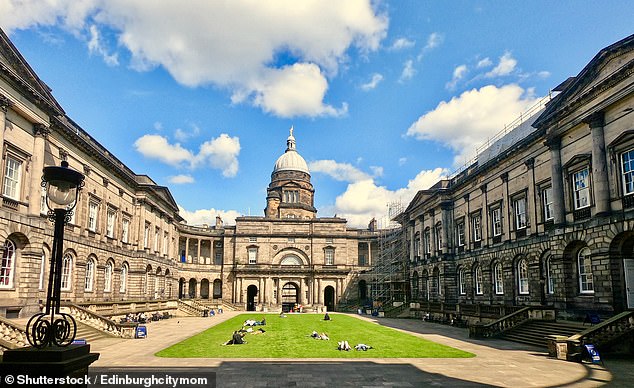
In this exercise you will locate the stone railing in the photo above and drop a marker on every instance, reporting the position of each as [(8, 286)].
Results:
[(190, 309), (121, 308), (499, 326), (604, 333), (12, 336), (94, 320)]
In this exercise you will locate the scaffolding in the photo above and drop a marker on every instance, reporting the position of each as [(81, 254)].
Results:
[(388, 283)]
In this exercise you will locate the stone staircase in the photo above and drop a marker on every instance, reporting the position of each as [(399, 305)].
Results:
[(534, 332), (89, 333)]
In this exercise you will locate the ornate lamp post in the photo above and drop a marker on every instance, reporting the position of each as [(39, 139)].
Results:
[(51, 327)]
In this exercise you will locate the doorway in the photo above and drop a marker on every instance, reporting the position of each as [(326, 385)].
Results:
[(628, 268), (290, 297), (329, 298), (252, 292)]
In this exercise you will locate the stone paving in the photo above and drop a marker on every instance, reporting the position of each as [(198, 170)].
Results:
[(497, 363)]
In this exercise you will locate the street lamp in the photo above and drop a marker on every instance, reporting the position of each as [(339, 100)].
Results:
[(51, 327)]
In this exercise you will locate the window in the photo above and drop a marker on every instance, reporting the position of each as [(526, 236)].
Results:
[(123, 281), (90, 274), (496, 221), (125, 229), (438, 237), (550, 281), (427, 241), (92, 215), (42, 271), (43, 207), (547, 201), (417, 244), (107, 277), (477, 227), (8, 265), (110, 222), (522, 276), (330, 256), (460, 233), (67, 264), (627, 163), (253, 239), (520, 213), (146, 235), (462, 281), (581, 185), (157, 233), (291, 196), (498, 279), (584, 264), (12, 176), (477, 278), (253, 255), (218, 259), (165, 242), (291, 240)]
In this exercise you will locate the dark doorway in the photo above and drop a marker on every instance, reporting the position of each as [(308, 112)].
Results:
[(181, 288), (329, 298), (363, 292), (204, 289), (192, 288), (252, 292), (290, 297), (217, 289)]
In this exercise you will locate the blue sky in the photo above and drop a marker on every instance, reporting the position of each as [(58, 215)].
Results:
[(385, 97)]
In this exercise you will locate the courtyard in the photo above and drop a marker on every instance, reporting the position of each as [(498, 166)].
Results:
[(496, 362)]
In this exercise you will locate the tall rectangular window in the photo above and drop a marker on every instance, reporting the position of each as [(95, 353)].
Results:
[(477, 227), (125, 230), (146, 235), (112, 214), (460, 233), (581, 186), (438, 237), (157, 233), (92, 216), (165, 241), (417, 244), (253, 255), (330, 256), (519, 205), (496, 221), (547, 201), (627, 171), (427, 241), (12, 176)]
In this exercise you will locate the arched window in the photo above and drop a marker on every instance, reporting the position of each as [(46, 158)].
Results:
[(291, 260), (107, 276), (8, 265), (67, 267), (42, 271), (550, 280), (498, 279), (123, 281), (90, 274), (415, 289), (522, 277), (584, 265), (462, 281), (477, 279)]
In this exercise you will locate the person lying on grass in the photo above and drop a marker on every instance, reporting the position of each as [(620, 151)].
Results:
[(343, 345), (236, 339), (363, 347)]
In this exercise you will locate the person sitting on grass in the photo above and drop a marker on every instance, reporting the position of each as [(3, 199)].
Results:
[(314, 334), (326, 317), (238, 338), (343, 345), (324, 336), (282, 315), (363, 347)]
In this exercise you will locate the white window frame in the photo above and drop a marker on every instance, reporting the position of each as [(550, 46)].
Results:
[(496, 221), (67, 272), (519, 205), (93, 211), (438, 235), (157, 233), (125, 229), (522, 277), (550, 280), (427, 241), (89, 280), (123, 279), (584, 269), (462, 281), (581, 188), (417, 244), (329, 256), (12, 184), (107, 276), (547, 202), (253, 255), (7, 268), (460, 231), (146, 235), (498, 279), (165, 242), (111, 217), (627, 171), (477, 227), (477, 280)]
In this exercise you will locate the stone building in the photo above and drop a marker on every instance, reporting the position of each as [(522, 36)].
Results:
[(126, 240), (545, 216)]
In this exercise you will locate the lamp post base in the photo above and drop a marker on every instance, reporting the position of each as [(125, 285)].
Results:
[(49, 362)]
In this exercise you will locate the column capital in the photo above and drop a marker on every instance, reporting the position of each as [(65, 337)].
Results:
[(530, 162), (4, 103), (595, 120), (41, 130), (553, 143), (504, 176)]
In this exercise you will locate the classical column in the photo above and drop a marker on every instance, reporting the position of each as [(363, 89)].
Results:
[(279, 291), (4, 106), (369, 253), (531, 203), (484, 217), (198, 243), (260, 293), (445, 218), (40, 132), (600, 181), (507, 216), (240, 293), (187, 250), (559, 214), (320, 296), (265, 289)]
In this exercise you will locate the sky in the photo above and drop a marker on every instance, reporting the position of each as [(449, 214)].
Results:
[(385, 97)]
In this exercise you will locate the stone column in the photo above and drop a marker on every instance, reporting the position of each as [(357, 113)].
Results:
[(279, 291), (369, 253), (240, 293), (265, 291), (187, 249), (531, 202), (320, 296), (260, 291), (199, 244), (507, 215), (600, 181), (40, 133), (445, 218), (4, 106), (484, 217), (559, 214)]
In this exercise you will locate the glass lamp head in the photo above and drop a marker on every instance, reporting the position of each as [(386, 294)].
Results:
[(62, 186)]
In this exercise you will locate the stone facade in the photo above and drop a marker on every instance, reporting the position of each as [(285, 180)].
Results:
[(545, 215)]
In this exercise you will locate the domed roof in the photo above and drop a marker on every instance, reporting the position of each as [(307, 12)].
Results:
[(291, 160)]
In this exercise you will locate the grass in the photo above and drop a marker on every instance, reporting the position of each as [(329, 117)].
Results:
[(289, 338)]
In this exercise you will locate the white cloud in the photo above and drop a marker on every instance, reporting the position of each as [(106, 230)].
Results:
[(486, 62), (466, 121), (96, 46), (220, 153), (182, 135), (377, 171), (408, 71), (208, 216), (504, 67), (376, 79), (181, 179), (338, 171), (402, 161), (434, 40), (543, 74), (232, 45), (364, 200), (402, 43), (458, 73)]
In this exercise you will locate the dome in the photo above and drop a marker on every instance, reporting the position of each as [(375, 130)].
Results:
[(291, 160)]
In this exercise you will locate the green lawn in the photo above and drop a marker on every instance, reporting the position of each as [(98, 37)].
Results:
[(289, 338)]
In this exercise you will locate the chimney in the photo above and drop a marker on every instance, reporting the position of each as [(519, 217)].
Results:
[(218, 222), (372, 225)]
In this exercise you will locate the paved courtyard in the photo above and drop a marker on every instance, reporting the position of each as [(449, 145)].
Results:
[(497, 363)]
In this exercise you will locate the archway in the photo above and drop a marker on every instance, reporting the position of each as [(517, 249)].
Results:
[(192, 288), (181, 288), (329, 298), (363, 292), (290, 296), (204, 289), (217, 293), (252, 292)]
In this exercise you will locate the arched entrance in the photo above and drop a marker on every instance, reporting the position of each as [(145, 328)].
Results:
[(204, 289), (181, 288), (363, 292), (217, 289), (192, 288), (329, 298), (252, 292), (290, 296)]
